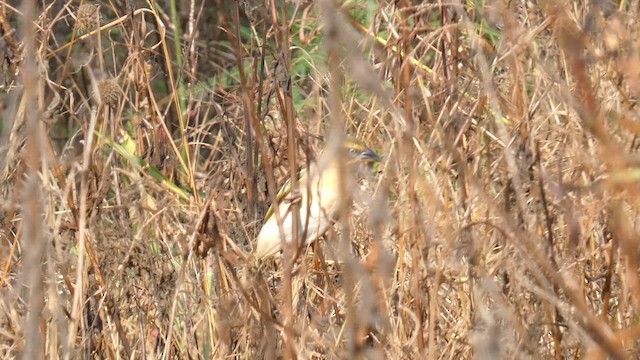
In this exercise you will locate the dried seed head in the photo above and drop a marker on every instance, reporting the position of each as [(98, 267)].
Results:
[(87, 18), (108, 92)]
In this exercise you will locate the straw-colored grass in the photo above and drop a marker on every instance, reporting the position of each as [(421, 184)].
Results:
[(140, 149)]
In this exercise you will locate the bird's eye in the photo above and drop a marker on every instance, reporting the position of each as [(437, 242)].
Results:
[(353, 151)]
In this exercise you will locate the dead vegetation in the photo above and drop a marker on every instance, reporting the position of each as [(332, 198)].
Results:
[(140, 148)]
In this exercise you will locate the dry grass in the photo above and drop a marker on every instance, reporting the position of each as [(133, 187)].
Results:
[(140, 149)]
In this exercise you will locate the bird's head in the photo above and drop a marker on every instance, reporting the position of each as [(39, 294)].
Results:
[(360, 152)]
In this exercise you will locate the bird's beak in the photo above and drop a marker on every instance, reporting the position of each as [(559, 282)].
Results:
[(370, 155)]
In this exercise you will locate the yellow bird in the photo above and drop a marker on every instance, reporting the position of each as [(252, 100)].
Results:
[(319, 194)]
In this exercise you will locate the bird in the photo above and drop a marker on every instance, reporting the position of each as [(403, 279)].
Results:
[(319, 188)]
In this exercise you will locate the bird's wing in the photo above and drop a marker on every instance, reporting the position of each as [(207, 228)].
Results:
[(285, 191), (318, 199), (312, 220), (268, 242)]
